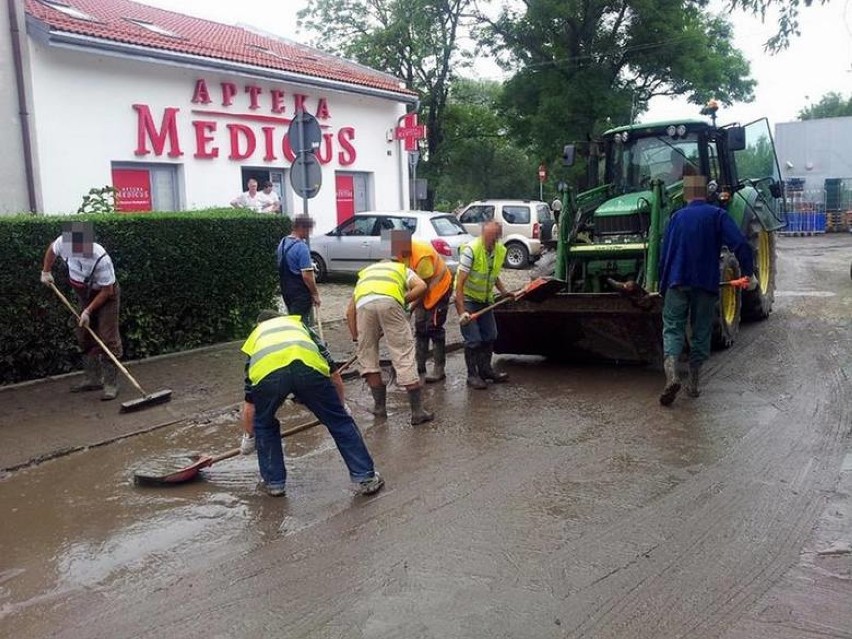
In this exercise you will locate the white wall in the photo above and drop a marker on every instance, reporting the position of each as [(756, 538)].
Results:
[(85, 120), (816, 149), (13, 185)]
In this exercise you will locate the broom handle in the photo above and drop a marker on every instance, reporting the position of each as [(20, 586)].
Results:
[(97, 339), (319, 323)]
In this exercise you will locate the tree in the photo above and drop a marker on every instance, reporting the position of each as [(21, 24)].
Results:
[(831, 105), (788, 18), (583, 65), (414, 40), (478, 158)]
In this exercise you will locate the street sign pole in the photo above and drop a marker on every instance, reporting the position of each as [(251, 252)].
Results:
[(304, 170)]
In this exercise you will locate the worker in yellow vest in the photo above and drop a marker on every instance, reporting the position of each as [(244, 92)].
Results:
[(284, 356), (478, 274), (377, 308), (430, 313)]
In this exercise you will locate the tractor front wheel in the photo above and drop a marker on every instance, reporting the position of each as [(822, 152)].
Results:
[(757, 304)]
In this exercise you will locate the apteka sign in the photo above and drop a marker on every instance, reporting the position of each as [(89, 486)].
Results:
[(224, 125)]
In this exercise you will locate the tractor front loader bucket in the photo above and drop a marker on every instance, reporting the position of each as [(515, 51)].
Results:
[(584, 327)]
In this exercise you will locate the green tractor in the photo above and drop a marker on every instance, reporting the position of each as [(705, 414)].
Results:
[(610, 236)]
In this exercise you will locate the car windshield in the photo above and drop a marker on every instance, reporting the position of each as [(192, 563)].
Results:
[(633, 164), (446, 225)]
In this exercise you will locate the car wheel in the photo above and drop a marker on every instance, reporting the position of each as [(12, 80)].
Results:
[(517, 255), (320, 269)]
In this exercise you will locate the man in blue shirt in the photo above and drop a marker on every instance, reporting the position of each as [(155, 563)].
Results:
[(689, 279), (296, 271)]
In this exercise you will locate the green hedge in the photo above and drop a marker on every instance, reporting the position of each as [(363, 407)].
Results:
[(187, 279)]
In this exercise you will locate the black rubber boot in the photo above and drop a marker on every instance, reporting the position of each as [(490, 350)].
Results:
[(380, 396), (421, 353), (419, 415), (439, 351), (471, 356), (93, 374), (485, 370), (693, 380), (672, 381), (110, 381)]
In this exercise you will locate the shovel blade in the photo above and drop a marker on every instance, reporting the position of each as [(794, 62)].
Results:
[(169, 472), (160, 397)]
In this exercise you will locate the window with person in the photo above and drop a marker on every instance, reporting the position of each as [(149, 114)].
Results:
[(477, 214), (358, 226)]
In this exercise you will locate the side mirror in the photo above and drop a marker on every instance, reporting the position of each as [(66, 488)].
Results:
[(568, 155), (736, 138)]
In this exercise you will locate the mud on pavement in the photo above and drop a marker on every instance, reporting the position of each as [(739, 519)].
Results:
[(564, 504)]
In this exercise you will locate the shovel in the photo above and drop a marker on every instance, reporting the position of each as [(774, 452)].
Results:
[(162, 475), (536, 291), (147, 399)]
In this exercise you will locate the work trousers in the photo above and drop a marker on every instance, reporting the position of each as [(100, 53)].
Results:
[(684, 303), (481, 330), (316, 392), (429, 322), (386, 317), (104, 322)]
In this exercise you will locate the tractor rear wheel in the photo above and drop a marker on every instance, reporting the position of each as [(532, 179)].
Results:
[(757, 304), (726, 325)]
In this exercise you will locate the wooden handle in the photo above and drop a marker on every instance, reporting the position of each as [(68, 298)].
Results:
[(319, 323), (97, 339), (234, 452)]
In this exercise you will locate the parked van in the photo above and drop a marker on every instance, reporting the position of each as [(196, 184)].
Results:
[(527, 225)]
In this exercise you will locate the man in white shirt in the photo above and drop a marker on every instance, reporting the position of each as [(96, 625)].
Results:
[(253, 200), (273, 202), (92, 276)]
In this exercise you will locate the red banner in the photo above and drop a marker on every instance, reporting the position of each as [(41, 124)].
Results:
[(345, 187), (133, 188)]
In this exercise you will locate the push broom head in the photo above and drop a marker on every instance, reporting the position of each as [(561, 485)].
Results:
[(160, 397)]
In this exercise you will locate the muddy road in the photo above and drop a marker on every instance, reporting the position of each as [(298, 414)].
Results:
[(567, 503)]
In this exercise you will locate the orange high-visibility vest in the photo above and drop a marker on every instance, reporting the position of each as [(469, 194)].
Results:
[(441, 280)]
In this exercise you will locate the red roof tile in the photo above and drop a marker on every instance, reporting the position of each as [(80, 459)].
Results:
[(207, 39)]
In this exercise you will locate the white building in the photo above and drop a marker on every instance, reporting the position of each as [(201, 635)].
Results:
[(178, 113)]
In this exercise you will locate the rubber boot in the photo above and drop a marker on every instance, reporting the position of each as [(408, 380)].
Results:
[(92, 380), (419, 414), (110, 381), (439, 351), (421, 353), (485, 370), (672, 381), (692, 381), (380, 396), (471, 355)]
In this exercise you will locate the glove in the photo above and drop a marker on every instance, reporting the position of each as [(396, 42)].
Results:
[(347, 409), (85, 319), (247, 446), (46, 278), (753, 283), (464, 318)]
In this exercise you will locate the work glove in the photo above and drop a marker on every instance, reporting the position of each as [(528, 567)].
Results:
[(46, 278), (752, 283), (464, 318), (85, 319), (247, 445)]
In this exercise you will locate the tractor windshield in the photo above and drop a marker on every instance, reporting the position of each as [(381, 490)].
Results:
[(634, 162)]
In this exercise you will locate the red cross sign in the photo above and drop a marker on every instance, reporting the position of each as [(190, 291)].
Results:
[(410, 131)]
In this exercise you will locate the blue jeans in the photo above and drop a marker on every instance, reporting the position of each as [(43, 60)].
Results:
[(318, 394), (699, 306), (481, 330)]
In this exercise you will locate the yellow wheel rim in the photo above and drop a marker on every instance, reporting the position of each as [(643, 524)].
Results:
[(763, 260), (729, 300)]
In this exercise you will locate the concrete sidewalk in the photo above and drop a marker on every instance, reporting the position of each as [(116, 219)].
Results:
[(40, 420)]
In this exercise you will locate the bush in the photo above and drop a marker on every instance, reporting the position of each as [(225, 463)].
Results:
[(187, 279)]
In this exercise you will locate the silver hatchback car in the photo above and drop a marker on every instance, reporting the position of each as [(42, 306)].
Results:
[(357, 242)]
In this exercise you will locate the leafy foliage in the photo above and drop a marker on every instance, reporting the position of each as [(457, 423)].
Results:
[(99, 200), (788, 18), (831, 105), (187, 279), (584, 65)]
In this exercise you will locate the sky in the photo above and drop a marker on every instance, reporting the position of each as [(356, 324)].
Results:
[(818, 61)]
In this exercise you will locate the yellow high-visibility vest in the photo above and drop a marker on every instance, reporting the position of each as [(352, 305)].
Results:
[(479, 285), (384, 278), (277, 343)]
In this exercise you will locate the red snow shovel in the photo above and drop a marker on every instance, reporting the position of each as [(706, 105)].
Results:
[(147, 399), (161, 474), (536, 291)]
